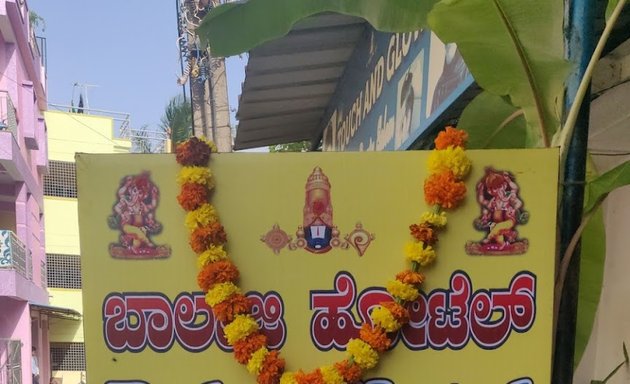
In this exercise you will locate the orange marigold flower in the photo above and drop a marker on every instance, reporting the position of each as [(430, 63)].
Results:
[(202, 237), (193, 152), (221, 271), (424, 232), (451, 137), (244, 348), (236, 304), (314, 377), (350, 372), (400, 313), (444, 190), (272, 369), (192, 196), (410, 277), (376, 337)]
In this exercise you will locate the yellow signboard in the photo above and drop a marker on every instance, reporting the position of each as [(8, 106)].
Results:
[(316, 237)]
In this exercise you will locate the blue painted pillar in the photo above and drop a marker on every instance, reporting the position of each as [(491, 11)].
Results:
[(579, 29)]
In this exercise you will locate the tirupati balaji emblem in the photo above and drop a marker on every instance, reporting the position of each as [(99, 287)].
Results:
[(501, 212), (318, 234), (134, 216)]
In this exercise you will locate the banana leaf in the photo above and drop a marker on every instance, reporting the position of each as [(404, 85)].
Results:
[(235, 28), (513, 49)]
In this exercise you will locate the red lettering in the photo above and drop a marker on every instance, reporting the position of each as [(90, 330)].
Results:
[(332, 324)]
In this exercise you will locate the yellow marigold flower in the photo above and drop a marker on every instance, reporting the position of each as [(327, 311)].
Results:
[(255, 363), (210, 143), (382, 317), (331, 375), (362, 354), (288, 378), (418, 252), (220, 292), (201, 216), (199, 175), (437, 220), (402, 291), (241, 327), (450, 159)]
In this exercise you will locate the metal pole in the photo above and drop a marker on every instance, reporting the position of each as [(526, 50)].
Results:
[(580, 46), (180, 36)]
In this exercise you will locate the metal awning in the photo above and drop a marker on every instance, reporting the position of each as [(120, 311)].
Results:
[(58, 312), (290, 81)]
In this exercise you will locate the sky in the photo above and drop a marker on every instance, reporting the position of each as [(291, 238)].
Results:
[(126, 48)]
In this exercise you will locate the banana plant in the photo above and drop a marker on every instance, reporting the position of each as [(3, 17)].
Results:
[(515, 51)]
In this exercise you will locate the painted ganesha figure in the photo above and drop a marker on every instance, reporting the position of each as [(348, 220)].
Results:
[(134, 216), (501, 212)]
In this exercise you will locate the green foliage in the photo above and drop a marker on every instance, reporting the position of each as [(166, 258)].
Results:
[(598, 189), (299, 146), (592, 257), (513, 49), (177, 119), (266, 20), (492, 122), (36, 21), (611, 7)]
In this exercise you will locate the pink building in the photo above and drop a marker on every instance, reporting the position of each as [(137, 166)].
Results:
[(24, 309)]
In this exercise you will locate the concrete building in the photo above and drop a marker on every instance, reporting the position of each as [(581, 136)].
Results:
[(69, 133), (24, 306)]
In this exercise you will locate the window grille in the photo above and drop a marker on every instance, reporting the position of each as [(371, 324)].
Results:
[(64, 271), (61, 180), (67, 356)]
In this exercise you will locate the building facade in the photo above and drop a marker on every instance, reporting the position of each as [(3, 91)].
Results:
[(69, 133), (24, 305)]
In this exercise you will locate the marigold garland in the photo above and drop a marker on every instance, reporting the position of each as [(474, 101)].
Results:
[(451, 137), (192, 196), (218, 277), (244, 348), (376, 336), (236, 304)]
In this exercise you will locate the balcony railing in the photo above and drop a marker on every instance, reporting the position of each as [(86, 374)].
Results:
[(8, 119), (44, 274), (10, 361), (14, 255)]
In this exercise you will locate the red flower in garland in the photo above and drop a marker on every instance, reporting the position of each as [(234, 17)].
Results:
[(314, 377), (236, 304), (221, 271), (351, 373), (203, 237), (272, 369), (193, 152), (444, 190), (192, 196), (423, 232), (410, 277), (244, 348), (376, 337), (451, 137)]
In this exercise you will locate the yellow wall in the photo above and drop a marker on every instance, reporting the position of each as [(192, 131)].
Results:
[(62, 225), (61, 330), (71, 132)]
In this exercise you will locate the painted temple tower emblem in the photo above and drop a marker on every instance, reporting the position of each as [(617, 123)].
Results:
[(133, 215), (502, 211), (318, 234)]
